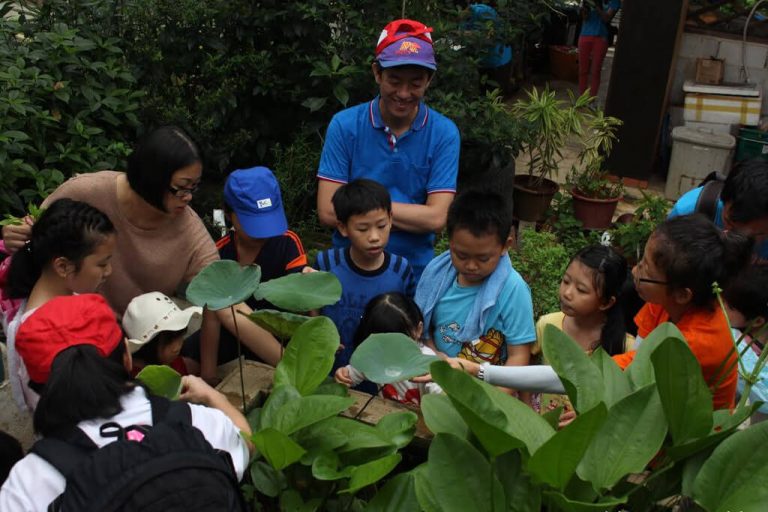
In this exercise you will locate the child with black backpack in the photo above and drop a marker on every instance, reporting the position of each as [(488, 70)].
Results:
[(107, 444)]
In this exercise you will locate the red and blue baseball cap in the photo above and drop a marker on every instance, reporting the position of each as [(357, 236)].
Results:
[(406, 42), (254, 195)]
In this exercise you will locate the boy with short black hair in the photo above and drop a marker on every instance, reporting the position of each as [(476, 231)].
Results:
[(475, 305), (365, 269)]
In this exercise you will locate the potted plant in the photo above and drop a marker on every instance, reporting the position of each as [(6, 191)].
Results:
[(595, 196), (547, 124)]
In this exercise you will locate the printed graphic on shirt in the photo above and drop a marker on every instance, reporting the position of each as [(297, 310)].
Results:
[(488, 348)]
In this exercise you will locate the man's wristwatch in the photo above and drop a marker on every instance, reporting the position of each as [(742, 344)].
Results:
[(481, 371)]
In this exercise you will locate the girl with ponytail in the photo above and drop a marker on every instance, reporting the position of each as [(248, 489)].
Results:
[(69, 252), (590, 313)]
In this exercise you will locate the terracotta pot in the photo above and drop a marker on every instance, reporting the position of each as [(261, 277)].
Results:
[(532, 196), (593, 213)]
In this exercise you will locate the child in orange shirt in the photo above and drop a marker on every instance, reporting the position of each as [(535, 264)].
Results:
[(682, 259)]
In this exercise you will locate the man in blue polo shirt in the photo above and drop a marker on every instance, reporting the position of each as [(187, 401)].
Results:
[(398, 141), (742, 205)]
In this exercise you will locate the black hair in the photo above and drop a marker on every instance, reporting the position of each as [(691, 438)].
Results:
[(67, 228), (746, 191), (157, 156), (748, 292), (10, 453), (608, 277), (149, 353), (388, 312), (82, 385), (359, 197), (693, 253), (482, 212)]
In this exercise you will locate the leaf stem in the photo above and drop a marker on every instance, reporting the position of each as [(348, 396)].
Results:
[(239, 357)]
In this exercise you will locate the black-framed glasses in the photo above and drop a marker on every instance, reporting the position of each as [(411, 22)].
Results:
[(652, 281), (183, 192)]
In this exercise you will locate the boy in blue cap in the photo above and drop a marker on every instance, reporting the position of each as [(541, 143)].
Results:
[(398, 141), (259, 235)]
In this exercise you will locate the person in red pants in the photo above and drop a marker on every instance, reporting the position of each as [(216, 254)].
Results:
[(593, 41)]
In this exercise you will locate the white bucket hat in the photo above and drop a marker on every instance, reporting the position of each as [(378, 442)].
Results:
[(152, 313)]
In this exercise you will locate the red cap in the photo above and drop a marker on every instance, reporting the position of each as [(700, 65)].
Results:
[(61, 323), (400, 29)]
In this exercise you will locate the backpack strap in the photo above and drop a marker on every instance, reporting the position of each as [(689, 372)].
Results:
[(709, 198), (169, 411)]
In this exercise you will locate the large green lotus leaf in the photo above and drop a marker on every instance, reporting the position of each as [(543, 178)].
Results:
[(326, 467), (281, 324), (397, 495), (441, 416), (613, 454), (556, 461), (161, 380), (318, 439), (685, 397), (306, 410), (453, 467), (616, 383), (279, 449), (565, 504), (267, 479), (425, 494), (723, 425), (640, 371), (223, 283), (398, 427), (371, 472), (735, 476), (390, 357), (281, 394), (521, 493), (358, 436), (500, 422), (309, 356), (301, 292), (582, 380)]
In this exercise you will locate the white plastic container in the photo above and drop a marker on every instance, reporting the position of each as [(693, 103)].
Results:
[(695, 154)]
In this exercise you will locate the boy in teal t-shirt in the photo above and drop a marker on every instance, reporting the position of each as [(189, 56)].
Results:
[(475, 305)]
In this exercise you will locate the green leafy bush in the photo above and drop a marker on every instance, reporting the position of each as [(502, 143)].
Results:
[(541, 260), (68, 104)]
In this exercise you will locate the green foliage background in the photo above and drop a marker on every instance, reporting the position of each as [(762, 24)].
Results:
[(240, 76)]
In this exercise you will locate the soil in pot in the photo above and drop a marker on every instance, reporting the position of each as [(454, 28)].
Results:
[(593, 213), (532, 197)]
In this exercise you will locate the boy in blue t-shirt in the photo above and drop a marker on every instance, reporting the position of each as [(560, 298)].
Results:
[(365, 269), (475, 305)]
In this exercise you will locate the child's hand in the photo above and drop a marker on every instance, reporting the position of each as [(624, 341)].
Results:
[(566, 417), (342, 376), (308, 270), (16, 235), (197, 391)]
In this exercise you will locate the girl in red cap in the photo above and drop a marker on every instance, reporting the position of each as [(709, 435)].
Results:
[(77, 358)]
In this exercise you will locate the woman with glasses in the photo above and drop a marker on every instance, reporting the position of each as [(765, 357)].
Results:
[(161, 242)]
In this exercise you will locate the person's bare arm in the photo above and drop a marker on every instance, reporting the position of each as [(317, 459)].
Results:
[(197, 391), (325, 191), (261, 342), (422, 218)]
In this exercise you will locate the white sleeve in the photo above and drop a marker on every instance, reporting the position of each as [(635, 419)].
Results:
[(31, 486), (219, 430), (537, 378), (355, 375)]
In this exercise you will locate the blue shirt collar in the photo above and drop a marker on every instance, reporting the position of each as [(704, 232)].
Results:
[(374, 113)]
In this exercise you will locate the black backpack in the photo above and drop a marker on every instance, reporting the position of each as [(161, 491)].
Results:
[(173, 468), (707, 202)]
